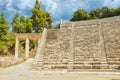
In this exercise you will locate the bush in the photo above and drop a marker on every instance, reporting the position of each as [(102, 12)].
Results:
[(7, 44)]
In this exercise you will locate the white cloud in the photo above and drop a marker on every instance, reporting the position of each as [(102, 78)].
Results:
[(26, 4), (9, 6), (112, 3), (59, 9), (63, 9)]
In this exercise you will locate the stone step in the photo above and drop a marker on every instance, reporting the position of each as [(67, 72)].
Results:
[(113, 59), (86, 67), (93, 70), (80, 48), (45, 67), (114, 62), (91, 63)]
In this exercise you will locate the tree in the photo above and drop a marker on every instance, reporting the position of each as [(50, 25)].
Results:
[(40, 18), (98, 13), (28, 25), (7, 44), (106, 12), (15, 23), (116, 11), (3, 25), (6, 39), (36, 22), (95, 14), (19, 24), (80, 15), (22, 25)]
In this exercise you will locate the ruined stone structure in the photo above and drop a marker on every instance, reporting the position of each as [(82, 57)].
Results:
[(80, 45), (27, 37)]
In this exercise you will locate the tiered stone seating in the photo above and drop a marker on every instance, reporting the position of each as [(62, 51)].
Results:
[(57, 49), (111, 29), (86, 23), (86, 48), (66, 25), (84, 45)]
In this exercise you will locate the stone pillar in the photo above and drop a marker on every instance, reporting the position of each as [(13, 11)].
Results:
[(16, 48), (104, 64), (27, 48)]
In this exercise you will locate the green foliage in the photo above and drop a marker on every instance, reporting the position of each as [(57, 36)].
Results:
[(80, 15), (7, 40), (21, 24), (18, 24), (116, 11), (3, 25), (7, 44), (15, 23), (28, 25), (95, 14), (35, 23), (40, 18), (33, 44), (106, 12)]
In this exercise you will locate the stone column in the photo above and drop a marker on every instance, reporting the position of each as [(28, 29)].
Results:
[(16, 48), (27, 48), (104, 64)]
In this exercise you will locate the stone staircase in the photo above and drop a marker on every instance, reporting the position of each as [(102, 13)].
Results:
[(57, 50), (86, 48), (84, 45), (112, 41)]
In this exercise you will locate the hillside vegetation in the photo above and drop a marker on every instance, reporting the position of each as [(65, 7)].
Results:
[(98, 13)]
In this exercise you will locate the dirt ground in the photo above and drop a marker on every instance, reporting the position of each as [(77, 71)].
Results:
[(22, 72)]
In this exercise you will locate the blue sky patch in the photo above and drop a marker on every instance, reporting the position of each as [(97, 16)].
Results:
[(59, 9)]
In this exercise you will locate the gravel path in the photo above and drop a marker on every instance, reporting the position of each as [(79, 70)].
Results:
[(22, 72)]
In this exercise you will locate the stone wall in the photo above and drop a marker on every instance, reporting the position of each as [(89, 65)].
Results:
[(92, 44)]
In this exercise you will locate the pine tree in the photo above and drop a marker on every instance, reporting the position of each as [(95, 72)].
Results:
[(15, 23), (80, 15), (19, 24), (28, 25), (40, 18), (22, 26), (3, 25)]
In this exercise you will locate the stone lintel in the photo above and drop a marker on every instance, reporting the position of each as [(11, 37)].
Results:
[(31, 36)]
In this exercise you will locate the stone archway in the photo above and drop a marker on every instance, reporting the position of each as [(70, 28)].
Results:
[(26, 37)]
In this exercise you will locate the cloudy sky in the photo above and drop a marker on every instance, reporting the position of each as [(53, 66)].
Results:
[(59, 9)]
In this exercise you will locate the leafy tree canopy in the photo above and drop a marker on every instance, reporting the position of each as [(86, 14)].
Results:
[(80, 15), (3, 25), (6, 39), (95, 14), (40, 18)]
